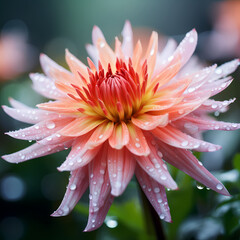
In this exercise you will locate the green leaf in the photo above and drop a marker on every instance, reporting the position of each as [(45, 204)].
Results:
[(236, 161)]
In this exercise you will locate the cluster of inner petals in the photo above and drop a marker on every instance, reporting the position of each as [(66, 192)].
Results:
[(114, 95)]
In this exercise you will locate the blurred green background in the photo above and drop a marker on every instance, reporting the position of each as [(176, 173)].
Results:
[(31, 191)]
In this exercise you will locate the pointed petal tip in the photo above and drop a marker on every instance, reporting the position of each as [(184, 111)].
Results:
[(116, 192)]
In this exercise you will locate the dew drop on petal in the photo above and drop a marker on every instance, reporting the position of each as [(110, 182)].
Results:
[(50, 125), (73, 187), (137, 145), (219, 186), (199, 186), (100, 136), (184, 143), (163, 177), (162, 216), (156, 190)]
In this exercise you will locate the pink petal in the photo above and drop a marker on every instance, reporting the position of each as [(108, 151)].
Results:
[(185, 161), (155, 193), (54, 71), (137, 143), (211, 105), (154, 166), (149, 122), (16, 104), (80, 160), (121, 166), (176, 138), (93, 53), (203, 124), (127, 44), (99, 179), (217, 86), (34, 151), (45, 86), (186, 48), (77, 185), (96, 219), (40, 130), (225, 69), (100, 134), (97, 34), (76, 67), (28, 115), (120, 136), (165, 54)]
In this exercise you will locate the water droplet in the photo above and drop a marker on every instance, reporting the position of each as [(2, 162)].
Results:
[(49, 138), (162, 216), (184, 143), (36, 127), (137, 145), (219, 186), (218, 71), (50, 125), (102, 171), (191, 89), (199, 186), (159, 154), (157, 165), (73, 187), (156, 190), (163, 177), (100, 136), (200, 163)]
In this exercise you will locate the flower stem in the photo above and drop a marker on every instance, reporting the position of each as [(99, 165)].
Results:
[(153, 222)]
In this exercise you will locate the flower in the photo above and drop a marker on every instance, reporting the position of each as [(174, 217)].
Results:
[(122, 115), (14, 55)]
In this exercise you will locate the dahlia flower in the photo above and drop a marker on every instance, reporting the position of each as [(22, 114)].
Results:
[(126, 113)]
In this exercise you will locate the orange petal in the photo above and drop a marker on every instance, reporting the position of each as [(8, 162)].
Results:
[(151, 53), (137, 56), (137, 142), (106, 54), (120, 136), (76, 66), (100, 135), (65, 106), (80, 126), (149, 122)]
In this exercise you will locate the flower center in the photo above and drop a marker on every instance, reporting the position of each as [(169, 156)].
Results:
[(116, 96)]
